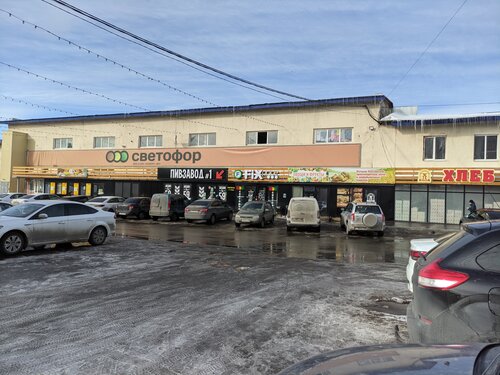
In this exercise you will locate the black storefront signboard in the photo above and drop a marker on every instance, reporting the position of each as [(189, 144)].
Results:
[(193, 174)]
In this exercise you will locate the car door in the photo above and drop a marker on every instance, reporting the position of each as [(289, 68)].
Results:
[(51, 229), (268, 212), (144, 205), (216, 209), (79, 221)]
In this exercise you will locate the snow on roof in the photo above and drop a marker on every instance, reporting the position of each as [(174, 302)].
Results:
[(405, 118)]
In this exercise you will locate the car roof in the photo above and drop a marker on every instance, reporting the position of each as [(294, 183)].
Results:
[(479, 227), (54, 201)]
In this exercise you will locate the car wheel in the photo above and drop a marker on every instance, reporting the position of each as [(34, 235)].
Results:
[(212, 220), (174, 217), (237, 225), (12, 243), (141, 216), (288, 229), (318, 229), (189, 220), (154, 218), (98, 236), (380, 233), (230, 216), (263, 223)]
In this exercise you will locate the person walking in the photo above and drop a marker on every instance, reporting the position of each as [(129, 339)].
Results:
[(472, 208)]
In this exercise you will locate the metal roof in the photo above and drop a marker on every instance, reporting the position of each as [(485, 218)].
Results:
[(400, 119), (352, 101)]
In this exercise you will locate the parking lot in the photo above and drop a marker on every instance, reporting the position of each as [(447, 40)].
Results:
[(177, 298)]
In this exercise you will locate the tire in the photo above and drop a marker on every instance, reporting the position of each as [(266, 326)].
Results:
[(263, 223), (230, 217), (288, 229), (189, 221), (98, 236), (174, 217), (12, 243), (141, 216), (212, 220), (154, 218), (380, 233), (39, 247), (237, 225), (318, 229)]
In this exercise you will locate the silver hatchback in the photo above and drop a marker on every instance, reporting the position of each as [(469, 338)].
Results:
[(363, 217)]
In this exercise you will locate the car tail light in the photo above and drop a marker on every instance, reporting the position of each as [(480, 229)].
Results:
[(353, 216), (204, 210), (434, 277), (383, 218), (414, 254), (130, 206), (169, 203)]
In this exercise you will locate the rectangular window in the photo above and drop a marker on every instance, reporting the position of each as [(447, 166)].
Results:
[(262, 138), (485, 147), (63, 143), (434, 148), (202, 139), (335, 135), (150, 141), (104, 142)]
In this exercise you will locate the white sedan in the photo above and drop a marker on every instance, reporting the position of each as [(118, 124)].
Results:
[(51, 222), (106, 203), (34, 198), (420, 247)]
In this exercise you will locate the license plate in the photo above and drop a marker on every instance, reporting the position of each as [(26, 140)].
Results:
[(245, 220)]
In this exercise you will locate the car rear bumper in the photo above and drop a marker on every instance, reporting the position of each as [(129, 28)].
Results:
[(299, 224), (195, 216)]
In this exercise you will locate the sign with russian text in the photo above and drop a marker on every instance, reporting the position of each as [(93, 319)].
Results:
[(468, 175), (342, 175), (193, 174), (448, 176), (258, 174)]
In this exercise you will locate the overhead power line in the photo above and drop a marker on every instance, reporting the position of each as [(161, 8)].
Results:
[(164, 49), (72, 87), (427, 48), (36, 105)]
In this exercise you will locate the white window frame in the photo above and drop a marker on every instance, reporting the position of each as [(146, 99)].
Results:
[(485, 147), (433, 137), (62, 143), (202, 139), (327, 138), (104, 142), (256, 135), (152, 141)]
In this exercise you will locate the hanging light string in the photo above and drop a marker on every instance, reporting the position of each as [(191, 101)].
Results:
[(36, 105)]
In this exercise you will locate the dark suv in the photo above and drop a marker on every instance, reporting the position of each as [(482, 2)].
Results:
[(135, 206), (456, 288)]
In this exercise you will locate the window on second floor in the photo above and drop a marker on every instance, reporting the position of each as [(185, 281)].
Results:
[(150, 141), (262, 138), (63, 143), (104, 142), (334, 135), (434, 148), (202, 139), (485, 147)]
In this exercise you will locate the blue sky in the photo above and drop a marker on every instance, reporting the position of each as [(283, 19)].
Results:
[(316, 49)]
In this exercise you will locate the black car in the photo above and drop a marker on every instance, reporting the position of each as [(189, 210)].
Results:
[(456, 288), (481, 215), (135, 206), (408, 359)]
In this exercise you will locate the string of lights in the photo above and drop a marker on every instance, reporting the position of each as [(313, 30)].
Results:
[(36, 105), (72, 87)]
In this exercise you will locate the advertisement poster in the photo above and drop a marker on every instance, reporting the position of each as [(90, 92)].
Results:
[(342, 175)]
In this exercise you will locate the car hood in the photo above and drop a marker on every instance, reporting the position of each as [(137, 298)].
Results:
[(250, 212), (392, 359), (5, 219)]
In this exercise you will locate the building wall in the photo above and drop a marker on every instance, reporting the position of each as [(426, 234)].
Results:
[(294, 126), (408, 144), (13, 153)]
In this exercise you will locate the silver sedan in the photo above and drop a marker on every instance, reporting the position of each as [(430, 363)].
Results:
[(209, 210), (52, 222)]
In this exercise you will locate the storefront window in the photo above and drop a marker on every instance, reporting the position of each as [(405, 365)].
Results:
[(36, 186), (297, 191), (492, 197), (402, 207), (419, 205), (437, 207), (454, 205), (476, 197)]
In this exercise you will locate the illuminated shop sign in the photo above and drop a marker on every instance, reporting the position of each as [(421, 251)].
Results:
[(451, 176), (200, 174), (468, 175), (153, 157), (258, 175)]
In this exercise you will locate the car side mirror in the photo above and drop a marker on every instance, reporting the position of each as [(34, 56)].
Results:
[(43, 216)]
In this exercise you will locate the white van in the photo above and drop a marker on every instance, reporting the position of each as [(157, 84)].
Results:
[(167, 205), (303, 212)]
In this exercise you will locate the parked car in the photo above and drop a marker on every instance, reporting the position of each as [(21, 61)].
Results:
[(456, 288), (135, 206), (4, 206), (256, 213), (51, 222), (303, 213), (420, 247), (209, 210), (106, 202), (481, 215), (362, 217), (404, 359), (35, 198), (168, 205), (7, 197), (76, 198)]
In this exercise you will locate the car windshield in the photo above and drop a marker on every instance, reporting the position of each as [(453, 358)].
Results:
[(97, 200), (132, 200), (303, 205), (22, 210), (201, 203), (368, 210), (252, 206)]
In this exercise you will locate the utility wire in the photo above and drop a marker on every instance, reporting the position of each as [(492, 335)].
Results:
[(448, 105), (72, 87), (36, 105), (426, 49), (166, 50)]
